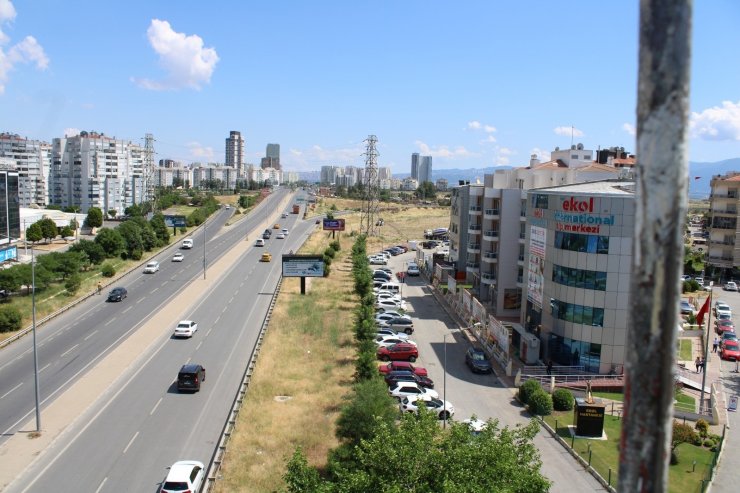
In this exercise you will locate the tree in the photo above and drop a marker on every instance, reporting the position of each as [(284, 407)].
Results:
[(368, 406), (133, 210), (34, 233), (73, 224), (682, 433), (49, 228), (66, 232), (426, 191), (93, 250), (131, 234), (10, 281), (112, 213), (94, 217), (111, 241), (160, 229), (10, 319)]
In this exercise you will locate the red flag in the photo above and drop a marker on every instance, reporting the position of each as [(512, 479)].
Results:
[(704, 310)]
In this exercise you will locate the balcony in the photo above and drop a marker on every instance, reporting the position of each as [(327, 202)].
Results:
[(472, 266), (520, 279), (724, 225), (490, 257), (474, 229), (491, 213), (728, 195), (488, 278), (473, 247), (722, 243), (520, 260), (490, 235), (724, 212), (725, 262)]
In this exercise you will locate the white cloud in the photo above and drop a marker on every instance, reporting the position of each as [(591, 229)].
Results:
[(26, 51), (489, 139), (502, 156), (474, 125), (717, 122), (489, 129), (568, 131), (186, 61), (444, 151), (541, 154), (71, 132), (629, 128), (200, 152)]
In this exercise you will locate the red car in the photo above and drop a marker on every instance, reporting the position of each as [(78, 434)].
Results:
[(401, 351), (724, 326), (730, 351), (402, 366)]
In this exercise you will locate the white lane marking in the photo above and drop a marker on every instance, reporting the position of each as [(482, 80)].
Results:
[(110, 321), (65, 353), (188, 361), (153, 290), (101, 484), (11, 390), (88, 336), (140, 300), (130, 442), (127, 309), (225, 308), (44, 368), (217, 319), (209, 331), (198, 346), (155, 407), (231, 300)]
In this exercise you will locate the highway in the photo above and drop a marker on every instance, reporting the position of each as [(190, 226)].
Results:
[(127, 439)]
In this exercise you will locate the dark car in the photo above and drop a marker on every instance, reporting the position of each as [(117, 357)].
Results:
[(403, 247), (190, 377), (117, 294), (382, 276), (400, 351), (477, 361), (268, 232), (408, 376), (400, 324), (265, 236)]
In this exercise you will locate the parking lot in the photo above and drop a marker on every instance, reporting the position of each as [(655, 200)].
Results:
[(439, 339)]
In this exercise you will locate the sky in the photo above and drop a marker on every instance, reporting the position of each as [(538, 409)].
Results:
[(474, 84)]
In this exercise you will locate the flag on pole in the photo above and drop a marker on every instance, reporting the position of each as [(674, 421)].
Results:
[(704, 310)]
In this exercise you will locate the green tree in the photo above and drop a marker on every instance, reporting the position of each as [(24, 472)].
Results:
[(10, 319), (34, 233), (73, 283), (10, 280), (66, 232), (112, 213), (368, 406), (426, 191), (148, 237), (682, 433), (94, 217), (93, 250), (111, 241), (131, 234), (49, 228), (160, 229)]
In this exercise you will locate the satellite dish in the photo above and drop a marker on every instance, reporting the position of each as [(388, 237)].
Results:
[(580, 147)]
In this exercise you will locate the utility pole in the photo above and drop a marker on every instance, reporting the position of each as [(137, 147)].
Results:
[(657, 250), (370, 197)]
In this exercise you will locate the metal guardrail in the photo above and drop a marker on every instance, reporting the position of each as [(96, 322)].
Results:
[(218, 454)]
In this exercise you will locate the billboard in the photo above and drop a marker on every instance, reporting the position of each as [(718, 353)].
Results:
[(536, 271), (333, 224), (303, 266), (8, 254), (174, 221)]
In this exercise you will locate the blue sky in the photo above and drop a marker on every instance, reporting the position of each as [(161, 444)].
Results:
[(474, 84)]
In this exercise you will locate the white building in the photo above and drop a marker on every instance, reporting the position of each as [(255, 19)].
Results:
[(268, 176), (409, 184), (93, 170), (226, 175), (384, 173), (166, 177), (32, 160)]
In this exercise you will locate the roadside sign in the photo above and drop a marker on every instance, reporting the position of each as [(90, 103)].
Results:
[(733, 403), (303, 266), (174, 221), (333, 224)]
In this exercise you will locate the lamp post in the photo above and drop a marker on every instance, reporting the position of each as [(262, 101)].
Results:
[(444, 383), (204, 249)]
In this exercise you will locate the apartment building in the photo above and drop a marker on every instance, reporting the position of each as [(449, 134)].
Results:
[(235, 151), (724, 232), (208, 173), (32, 160)]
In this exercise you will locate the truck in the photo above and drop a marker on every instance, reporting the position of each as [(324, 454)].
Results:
[(296, 209)]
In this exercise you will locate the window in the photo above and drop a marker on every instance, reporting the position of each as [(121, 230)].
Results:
[(579, 278), (575, 242), (577, 314)]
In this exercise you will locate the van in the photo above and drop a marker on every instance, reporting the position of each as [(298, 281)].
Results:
[(151, 267), (187, 244), (260, 242), (391, 287), (190, 377)]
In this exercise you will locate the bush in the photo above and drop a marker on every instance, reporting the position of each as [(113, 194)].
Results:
[(562, 400), (330, 252), (540, 402), (527, 389), (10, 319), (136, 254), (73, 283), (108, 270), (335, 245), (708, 443), (702, 427)]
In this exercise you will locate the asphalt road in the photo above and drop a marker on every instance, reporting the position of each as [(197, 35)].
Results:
[(483, 396), (146, 411)]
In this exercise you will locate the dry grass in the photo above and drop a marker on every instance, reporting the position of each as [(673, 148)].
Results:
[(313, 369)]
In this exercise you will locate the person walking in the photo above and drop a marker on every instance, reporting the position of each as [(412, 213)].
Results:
[(703, 363), (715, 344), (549, 367), (100, 288), (698, 364)]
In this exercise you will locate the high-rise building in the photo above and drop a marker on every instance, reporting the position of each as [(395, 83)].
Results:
[(328, 175), (32, 160), (384, 173), (723, 250), (415, 166), (235, 151), (272, 157), (93, 170), (425, 169), (10, 216)]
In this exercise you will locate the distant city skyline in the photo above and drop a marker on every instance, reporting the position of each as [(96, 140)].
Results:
[(180, 74)]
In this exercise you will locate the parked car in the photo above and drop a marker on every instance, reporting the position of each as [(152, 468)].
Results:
[(477, 361), (730, 286), (151, 267), (384, 317), (404, 389), (178, 257), (686, 308), (720, 307), (390, 305), (382, 276), (184, 476), (728, 336), (393, 312), (408, 376), (117, 294), (374, 260), (725, 325), (685, 277), (401, 351), (403, 247), (186, 328), (402, 366), (475, 425), (412, 270), (700, 280), (411, 404), (730, 351), (401, 324), (386, 340)]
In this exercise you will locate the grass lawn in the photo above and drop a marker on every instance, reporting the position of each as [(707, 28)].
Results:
[(605, 454), (684, 350)]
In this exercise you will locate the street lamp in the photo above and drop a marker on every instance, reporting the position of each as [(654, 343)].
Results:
[(204, 248), (444, 383)]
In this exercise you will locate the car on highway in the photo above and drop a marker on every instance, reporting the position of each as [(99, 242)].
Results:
[(266, 257), (730, 351), (477, 361), (187, 244), (265, 236), (276, 226), (260, 242), (402, 366), (386, 340), (151, 267), (408, 376), (280, 236), (190, 377), (411, 404), (284, 231), (400, 351), (284, 215), (117, 294), (686, 308), (400, 324), (401, 389), (178, 257), (185, 476), (186, 328), (730, 286)]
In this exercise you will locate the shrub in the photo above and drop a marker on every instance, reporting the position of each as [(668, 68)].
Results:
[(702, 427), (708, 443), (335, 245), (562, 400), (327, 270), (108, 270), (540, 402), (136, 254), (73, 283), (10, 319), (330, 252), (527, 389)]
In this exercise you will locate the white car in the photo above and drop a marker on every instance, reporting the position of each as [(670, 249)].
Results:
[(280, 236), (178, 257), (412, 270), (402, 389), (284, 231), (378, 261), (476, 425), (387, 340), (390, 305), (187, 244), (186, 328), (384, 317), (730, 286), (151, 267), (387, 295), (184, 475), (386, 331), (393, 314), (722, 308), (411, 404)]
